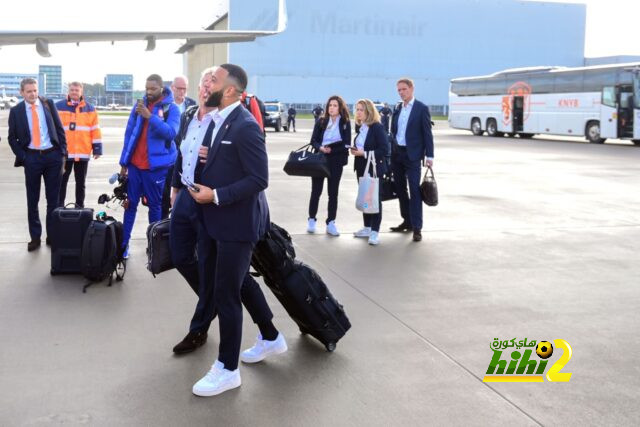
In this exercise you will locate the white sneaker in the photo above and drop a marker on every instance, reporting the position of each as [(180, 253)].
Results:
[(332, 229), (363, 232), (126, 253), (218, 380), (373, 238), (263, 348), (311, 226)]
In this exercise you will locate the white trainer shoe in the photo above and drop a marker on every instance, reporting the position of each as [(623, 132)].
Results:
[(218, 380), (363, 232), (373, 238), (311, 226), (332, 229), (263, 349)]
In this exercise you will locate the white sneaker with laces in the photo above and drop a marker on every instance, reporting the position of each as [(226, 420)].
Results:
[(332, 229), (218, 380), (363, 232), (373, 238), (263, 349), (311, 226)]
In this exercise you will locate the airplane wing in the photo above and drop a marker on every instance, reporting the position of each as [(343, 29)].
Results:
[(42, 39)]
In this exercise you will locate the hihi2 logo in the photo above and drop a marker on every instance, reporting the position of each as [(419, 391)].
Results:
[(521, 368)]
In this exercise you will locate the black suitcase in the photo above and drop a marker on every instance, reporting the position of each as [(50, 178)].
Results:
[(158, 248), (311, 305), (68, 226)]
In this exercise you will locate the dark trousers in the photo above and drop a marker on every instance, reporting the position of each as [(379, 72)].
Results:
[(166, 193), (184, 240), (407, 172), (36, 167), (80, 174), (291, 121), (227, 273), (370, 220), (333, 184)]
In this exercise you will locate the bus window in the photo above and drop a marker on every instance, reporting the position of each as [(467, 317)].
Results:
[(609, 96), (636, 90)]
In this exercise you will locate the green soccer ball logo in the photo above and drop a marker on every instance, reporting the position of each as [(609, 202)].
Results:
[(544, 349)]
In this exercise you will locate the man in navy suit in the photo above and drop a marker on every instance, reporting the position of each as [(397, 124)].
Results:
[(235, 215), (412, 143), (37, 138)]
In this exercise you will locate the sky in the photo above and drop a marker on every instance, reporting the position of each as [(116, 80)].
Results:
[(611, 30)]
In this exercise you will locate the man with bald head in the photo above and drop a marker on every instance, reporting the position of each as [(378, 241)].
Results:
[(179, 88)]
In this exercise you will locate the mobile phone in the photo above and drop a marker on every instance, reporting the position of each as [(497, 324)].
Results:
[(190, 185)]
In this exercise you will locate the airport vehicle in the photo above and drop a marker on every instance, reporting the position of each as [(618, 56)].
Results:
[(276, 116), (7, 101), (597, 102)]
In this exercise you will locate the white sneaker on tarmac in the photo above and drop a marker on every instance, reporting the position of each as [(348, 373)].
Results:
[(363, 232), (263, 349), (332, 229), (373, 238), (311, 226), (218, 380)]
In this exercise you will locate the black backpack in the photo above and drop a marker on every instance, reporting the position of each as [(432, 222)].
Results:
[(274, 255), (102, 251)]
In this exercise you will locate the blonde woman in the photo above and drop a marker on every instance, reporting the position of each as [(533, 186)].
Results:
[(371, 138)]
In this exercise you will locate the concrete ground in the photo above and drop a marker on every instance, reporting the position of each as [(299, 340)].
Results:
[(532, 238)]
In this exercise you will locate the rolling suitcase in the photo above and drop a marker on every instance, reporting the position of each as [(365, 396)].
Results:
[(299, 289), (67, 234), (158, 248)]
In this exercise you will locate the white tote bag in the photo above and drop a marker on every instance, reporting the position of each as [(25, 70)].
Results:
[(368, 189)]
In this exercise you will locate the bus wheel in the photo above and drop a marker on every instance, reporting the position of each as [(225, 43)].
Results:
[(492, 128), (593, 133), (526, 135), (476, 127), (636, 141)]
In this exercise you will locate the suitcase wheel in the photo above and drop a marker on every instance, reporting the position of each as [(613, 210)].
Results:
[(330, 346)]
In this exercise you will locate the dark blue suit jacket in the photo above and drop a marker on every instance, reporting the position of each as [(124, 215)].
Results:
[(377, 142), (338, 149), (188, 102), (418, 135), (237, 168), (20, 135)]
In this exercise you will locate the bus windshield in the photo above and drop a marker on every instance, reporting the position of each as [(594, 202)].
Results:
[(636, 90)]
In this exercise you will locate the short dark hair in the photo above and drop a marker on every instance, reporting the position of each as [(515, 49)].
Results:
[(156, 78), (238, 74)]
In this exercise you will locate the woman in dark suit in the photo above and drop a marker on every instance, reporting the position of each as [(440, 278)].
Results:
[(331, 136), (371, 138)]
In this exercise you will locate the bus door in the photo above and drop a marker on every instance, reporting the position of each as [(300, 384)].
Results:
[(635, 103), (625, 112), (609, 113), (518, 114)]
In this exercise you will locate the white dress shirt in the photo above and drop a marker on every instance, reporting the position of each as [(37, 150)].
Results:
[(362, 136), (190, 145), (403, 118), (332, 132), (45, 140), (219, 117)]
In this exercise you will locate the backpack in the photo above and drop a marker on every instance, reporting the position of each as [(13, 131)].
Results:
[(274, 255), (102, 251)]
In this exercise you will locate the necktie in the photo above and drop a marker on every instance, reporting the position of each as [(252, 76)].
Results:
[(35, 127), (206, 142)]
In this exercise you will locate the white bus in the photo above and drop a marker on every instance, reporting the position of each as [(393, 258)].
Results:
[(597, 102)]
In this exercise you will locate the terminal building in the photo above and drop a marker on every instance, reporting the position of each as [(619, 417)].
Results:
[(10, 82), (359, 49), (50, 81), (118, 89)]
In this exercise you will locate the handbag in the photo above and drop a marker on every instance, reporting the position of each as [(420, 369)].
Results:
[(304, 162), (429, 188), (368, 189)]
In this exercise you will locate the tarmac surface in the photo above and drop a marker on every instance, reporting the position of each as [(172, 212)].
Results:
[(534, 239)]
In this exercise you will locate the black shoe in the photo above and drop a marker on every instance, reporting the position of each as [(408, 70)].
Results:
[(401, 228), (192, 341), (47, 241), (33, 245), (417, 235)]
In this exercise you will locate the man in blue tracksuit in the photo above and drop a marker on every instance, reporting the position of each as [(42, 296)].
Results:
[(148, 152)]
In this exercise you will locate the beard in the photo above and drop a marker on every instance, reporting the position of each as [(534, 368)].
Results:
[(214, 99)]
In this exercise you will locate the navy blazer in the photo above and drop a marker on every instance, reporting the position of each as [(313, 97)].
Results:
[(338, 148), (188, 102), (237, 168), (418, 135), (377, 142), (20, 135)]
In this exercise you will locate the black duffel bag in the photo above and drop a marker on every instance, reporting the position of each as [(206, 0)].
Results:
[(429, 188), (158, 247), (305, 162)]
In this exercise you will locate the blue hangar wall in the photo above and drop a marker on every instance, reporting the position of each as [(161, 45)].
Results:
[(359, 48)]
